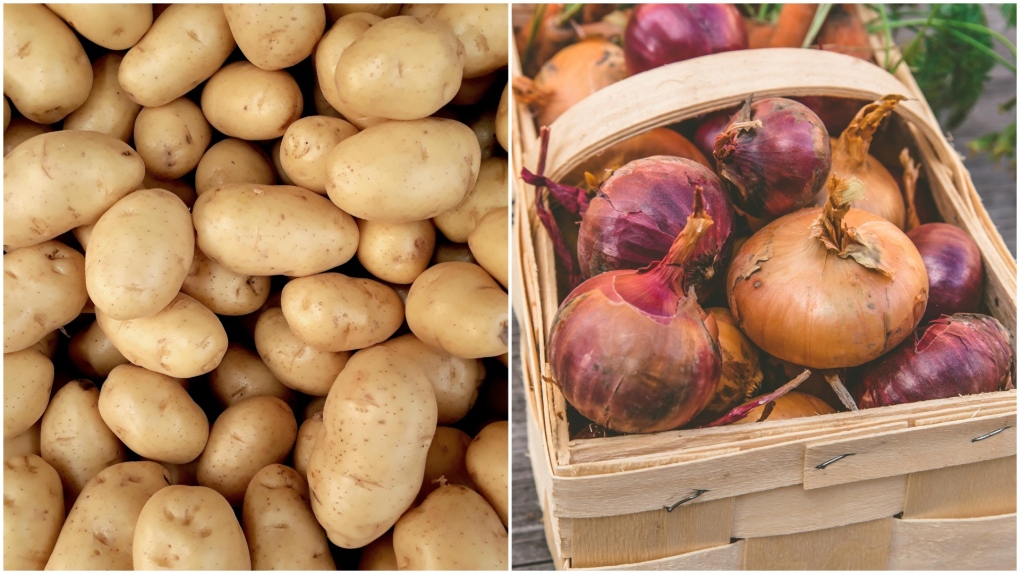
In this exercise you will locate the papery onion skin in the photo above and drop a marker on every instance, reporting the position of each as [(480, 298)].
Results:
[(711, 126), (955, 271), (741, 374), (792, 405), (660, 34), (882, 197), (963, 354), (835, 113), (640, 210), (660, 141)]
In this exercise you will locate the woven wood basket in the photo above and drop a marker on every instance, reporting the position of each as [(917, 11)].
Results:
[(929, 485)]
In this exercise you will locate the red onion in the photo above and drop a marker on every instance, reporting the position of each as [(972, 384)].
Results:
[(631, 351), (835, 113), (773, 157), (660, 34), (711, 126), (953, 261), (640, 210), (964, 354)]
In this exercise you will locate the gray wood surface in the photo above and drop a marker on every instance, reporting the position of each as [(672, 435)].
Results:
[(998, 188)]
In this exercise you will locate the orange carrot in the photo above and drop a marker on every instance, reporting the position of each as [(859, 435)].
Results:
[(844, 32), (793, 25), (759, 33)]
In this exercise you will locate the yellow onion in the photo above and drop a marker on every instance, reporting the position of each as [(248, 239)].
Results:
[(828, 287), (792, 405), (741, 374)]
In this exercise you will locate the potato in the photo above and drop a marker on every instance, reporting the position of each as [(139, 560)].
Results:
[(445, 462), (502, 120), (458, 308), (61, 180), (223, 291), (107, 109), (489, 192), (246, 102), (233, 161), (482, 30), (172, 138), (112, 26), (336, 11), (27, 442), (74, 438), (398, 172), (420, 10), (246, 437), (93, 353), (278, 522), (454, 380), (322, 107), (454, 529), (7, 113), (185, 474), (401, 68), (185, 45), (46, 72), (334, 312), (396, 252), (485, 130), (153, 415), (276, 36), (295, 363), (28, 378), (100, 529), (185, 339), (48, 344), (43, 291), (189, 528), (378, 555), (366, 468), (307, 144), (486, 461), (242, 375), (273, 230), (277, 166), (489, 242), (316, 405), (21, 130), (308, 433), (472, 90), (447, 251), (332, 45), (33, 512), (140, 252), (178, 187)]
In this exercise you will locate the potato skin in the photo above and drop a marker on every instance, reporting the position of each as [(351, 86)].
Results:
[(172, 138), (482, 29), (502, 120), (488, 193), (28, 379), (454, 529), (93, 353), (445, 462), (100, 528), (455, 381), (378, 555), (61, 180), (112, 26), (489, 244), (27, 442), (308, 433), (189, 528), (139, 253), (108, 109), (307, 144), (242, 375), (336, 11), (43, 291), (332, 45), (223, 291), (278, 522), (33, 512), (276, 36), (20, 131), (486, 461), (246, 102), (233, 161), (396, 252), (273, 230), (366, 468), (297, 364)]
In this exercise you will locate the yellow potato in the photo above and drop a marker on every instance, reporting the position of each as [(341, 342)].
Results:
[(396, 252), (242, 375), (185, 474), (454, 529), (48, 344), (74, 438), (447, 251), (420, 10), (482, 30), (307, 144), (489, 242), (295, 363), (332, 45), (502, 120), (33, 512), (315, 406), (472, 90), (28, 378), (246, 102), (172, 138), (7, 113), (43, 291), (277, 165), (378, 555), (336, 11), (308, 434), (140, 252), (445, 462), (108, 109), (178, 187), (185, 339), (403, 171), (485, 130), (454, 380), (46, 72), (189, 528), (486, 461), (278, 522), (153, 415), (21, 130), (112, 26), (93, 353), (322, 107), (223, 291), (489, 192), (459, 308), (334, 312), (27, 442), (185, 45), (61, 180), (366, 468), (233, 161), (100, 528), (276, 36), (273, 230)]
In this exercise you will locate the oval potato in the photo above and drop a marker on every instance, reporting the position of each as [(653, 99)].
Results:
[(27, 442), (28, 379), (396, 252), (295, 363), (489, 192), (378, 555), (486, 461), (276, 36), (246, 102), (107, 109), (172, 138), (233, 161), (472, 90), (178, 187), (502, 120), (332, 45), (455, 381), (307, 144), (93, 353), (42, 292), (445, 462), (447, 251), (485, 130), (242, 375), (112, 26), (489, 244), (223, 291), (33, 512), (20, 131), (336, 11), (308, 433), (482, 30)]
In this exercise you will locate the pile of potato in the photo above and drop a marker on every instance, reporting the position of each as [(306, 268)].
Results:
[(233, 336)]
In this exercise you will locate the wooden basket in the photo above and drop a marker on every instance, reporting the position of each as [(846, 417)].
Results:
[(916, 486)]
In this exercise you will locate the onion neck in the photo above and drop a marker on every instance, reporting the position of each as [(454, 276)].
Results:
[(851, 151), (838, 237), (671, 269), (911, 172)]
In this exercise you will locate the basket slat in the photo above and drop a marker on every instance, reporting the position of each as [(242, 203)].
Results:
[(728, 557), (861, 546), (961, 544), (986, 488)]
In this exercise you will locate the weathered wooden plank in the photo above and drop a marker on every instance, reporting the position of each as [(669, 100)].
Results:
[(960, 544), (986, 488)]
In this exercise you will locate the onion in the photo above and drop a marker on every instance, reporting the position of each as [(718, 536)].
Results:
[(964, 354), (773, 157), (660, 34), (792, 405), (835, 113), (955, 273), (593, 430), (711, 126), (828, 288), (640, 210), (660, 141), (741, 375), (631, 351)]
